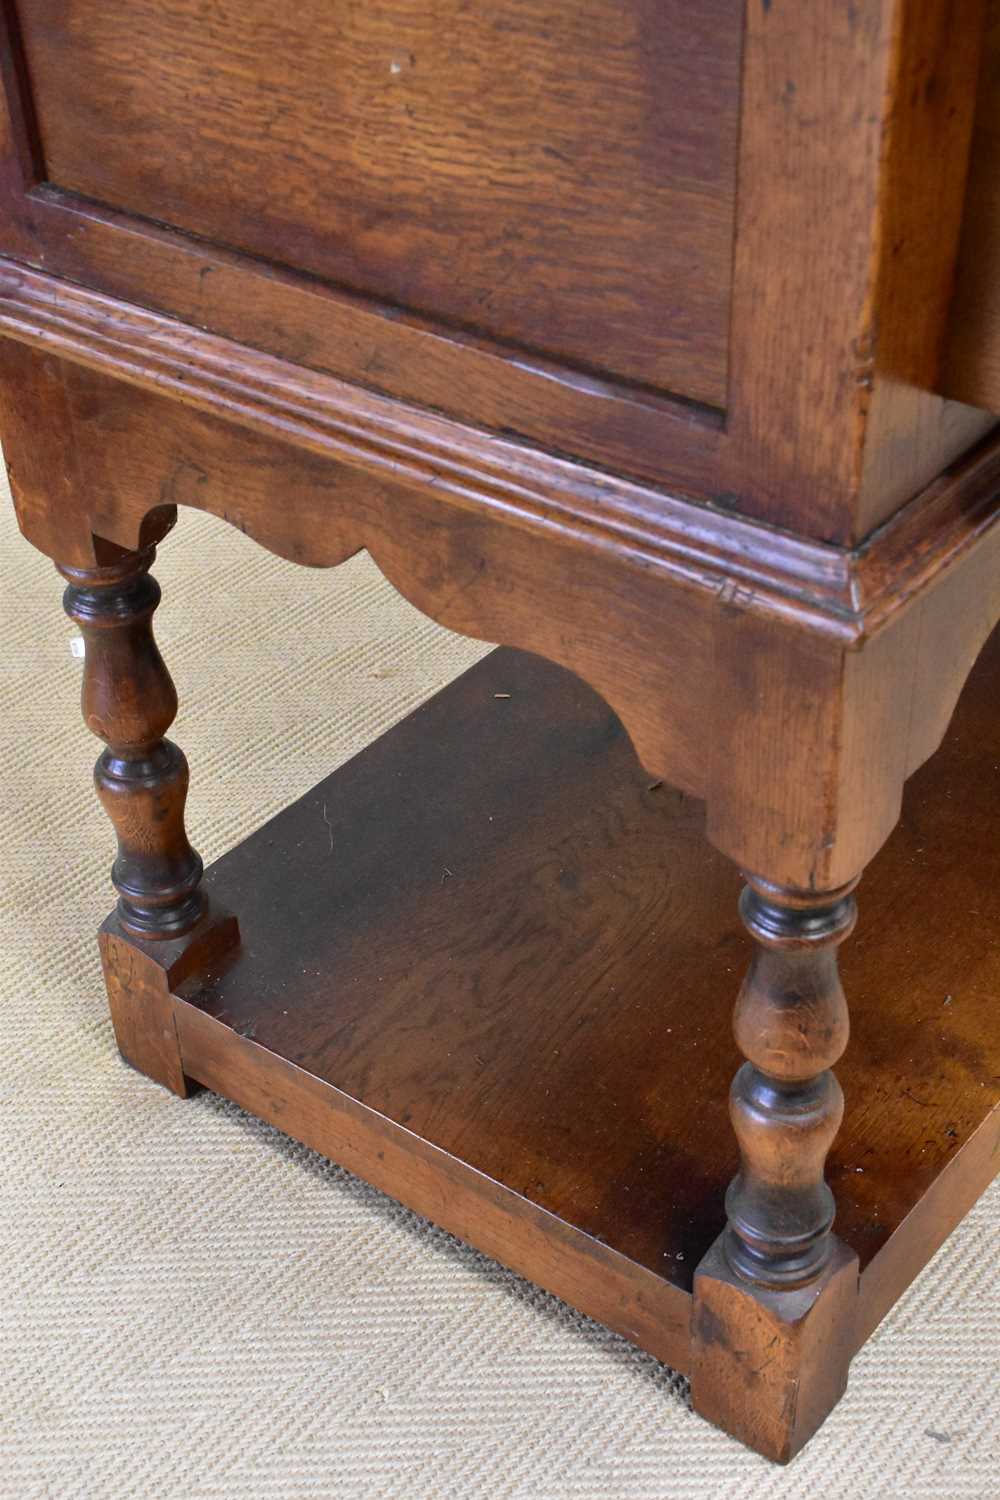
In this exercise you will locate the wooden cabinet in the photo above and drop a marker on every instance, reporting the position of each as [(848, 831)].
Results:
[(660, 340), (679, 242)]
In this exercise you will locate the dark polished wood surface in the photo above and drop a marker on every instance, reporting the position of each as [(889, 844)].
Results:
[(631, 335), (760, 199), (971, 370), (397, 149), (793, 688), (525, 955)]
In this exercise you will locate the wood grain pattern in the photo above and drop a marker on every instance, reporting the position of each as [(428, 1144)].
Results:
[(848, 594), (384, 269), (854, 145), (972, 367), (768, 1366), (910, 432), (405, 444), (138, 975), (311, 324), (527, 968), (508, 170), (798, 741), (853, 156)]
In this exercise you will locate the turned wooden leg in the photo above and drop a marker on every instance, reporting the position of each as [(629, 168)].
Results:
[(775, 1297), (161, 926), (129, 702)]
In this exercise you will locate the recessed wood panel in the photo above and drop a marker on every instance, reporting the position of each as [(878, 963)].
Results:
[(973, 362), (555, 177)]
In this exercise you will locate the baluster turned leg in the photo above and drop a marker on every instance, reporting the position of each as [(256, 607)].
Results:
[(774, 1299), (161, 928), (129, 701)]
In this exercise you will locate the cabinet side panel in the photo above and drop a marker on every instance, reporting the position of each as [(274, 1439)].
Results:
[(972, 371)]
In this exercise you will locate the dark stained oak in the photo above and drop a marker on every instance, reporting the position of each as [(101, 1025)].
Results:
[(775, 1297), (792, 687), (138, 975), (838, 136), (791, 1024), (769, 1364), (162, 925), (971, 370), (505, 168), (499, 988), (653, 338), (129, 701), (854, 150)]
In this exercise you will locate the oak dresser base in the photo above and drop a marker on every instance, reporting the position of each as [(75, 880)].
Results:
[(487, 966)]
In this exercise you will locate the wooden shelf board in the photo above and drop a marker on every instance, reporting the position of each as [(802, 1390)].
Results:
[(488, 967)]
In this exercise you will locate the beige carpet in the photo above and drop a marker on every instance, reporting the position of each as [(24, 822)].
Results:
[(194, 1306)]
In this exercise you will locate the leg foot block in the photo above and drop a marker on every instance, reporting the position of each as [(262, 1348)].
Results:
[(769, 1366), (140, 974)]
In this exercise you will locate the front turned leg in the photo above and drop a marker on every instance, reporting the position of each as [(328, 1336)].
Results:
[(161, 929), (775, 1297), (129, 702)]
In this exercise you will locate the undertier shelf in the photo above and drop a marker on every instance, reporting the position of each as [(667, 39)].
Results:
[(490, 967)]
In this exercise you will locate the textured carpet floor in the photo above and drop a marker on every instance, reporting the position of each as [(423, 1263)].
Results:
[(194, 1306)]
